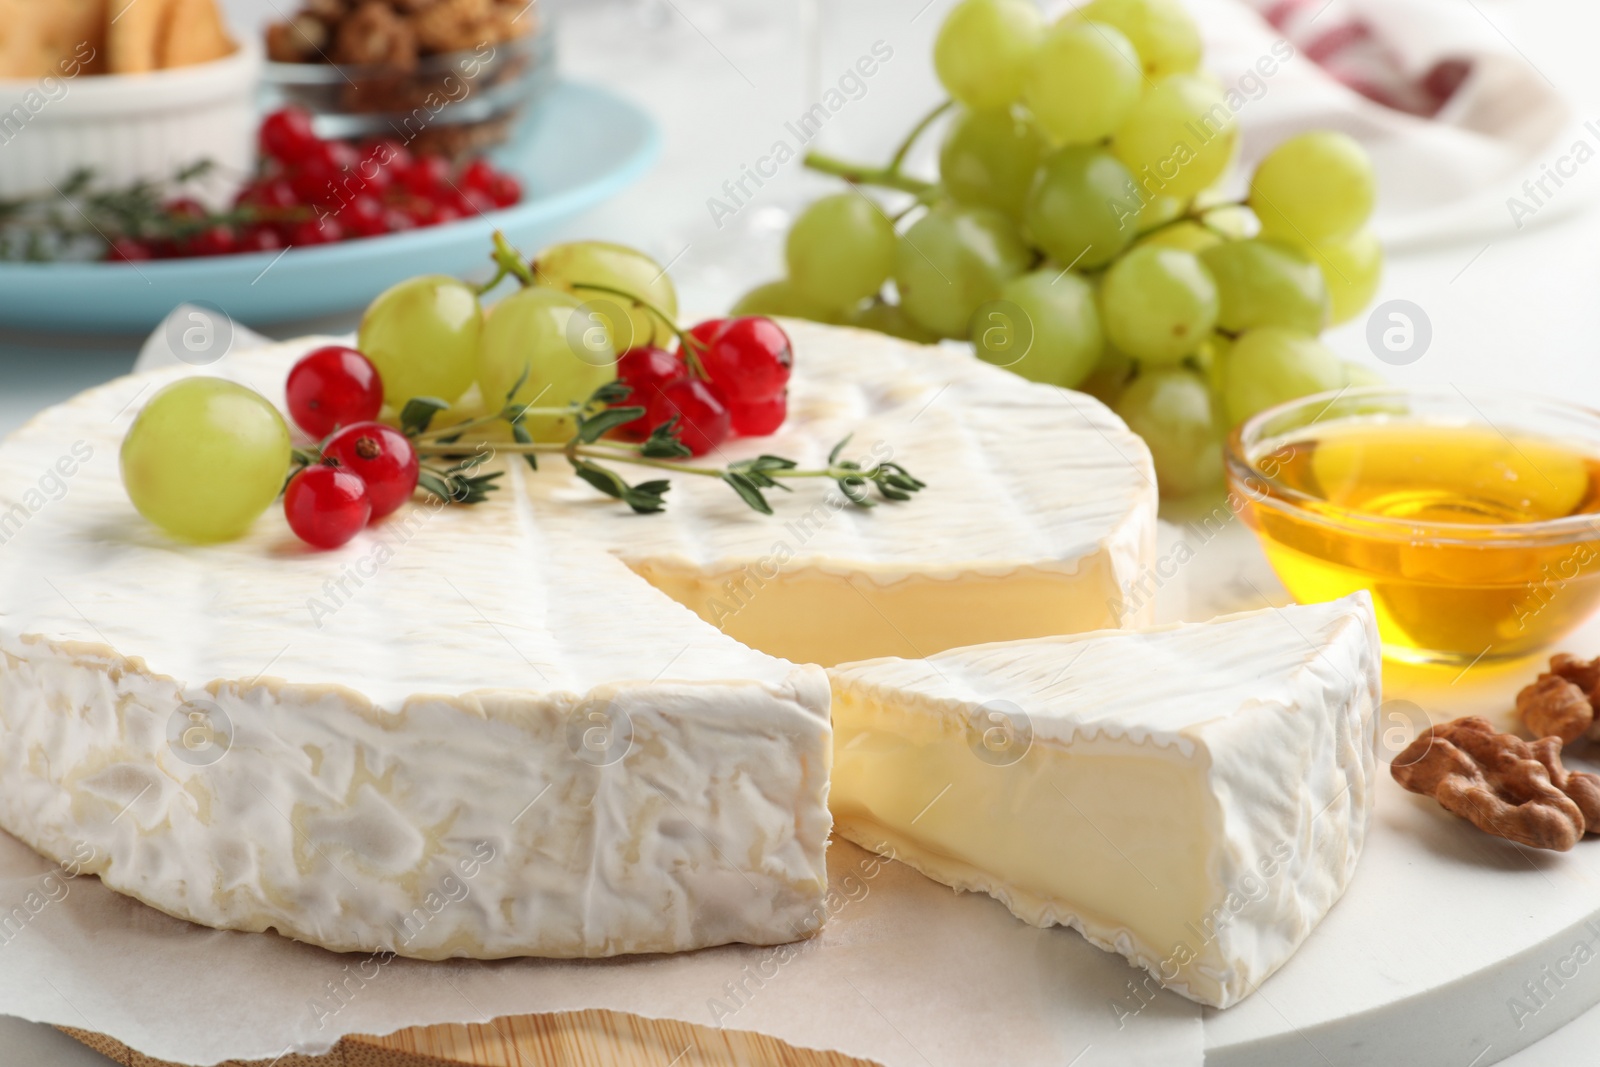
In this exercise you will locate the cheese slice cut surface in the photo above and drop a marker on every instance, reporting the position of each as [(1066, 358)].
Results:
[(542, 725), (1194, 797)]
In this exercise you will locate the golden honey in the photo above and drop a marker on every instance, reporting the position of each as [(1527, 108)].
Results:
[(1434, 520)]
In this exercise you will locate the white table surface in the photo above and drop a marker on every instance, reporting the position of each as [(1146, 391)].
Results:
[(1511, 310)]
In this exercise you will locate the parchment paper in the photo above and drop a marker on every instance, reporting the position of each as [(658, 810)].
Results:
[(905, 972)]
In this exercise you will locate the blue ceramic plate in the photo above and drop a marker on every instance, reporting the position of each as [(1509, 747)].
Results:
[(580, 146)]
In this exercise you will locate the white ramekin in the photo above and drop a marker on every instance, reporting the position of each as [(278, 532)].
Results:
[(131, 126)]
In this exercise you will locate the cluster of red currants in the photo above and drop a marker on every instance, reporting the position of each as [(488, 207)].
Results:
[(367, 469), (316, 192), (744, 387)]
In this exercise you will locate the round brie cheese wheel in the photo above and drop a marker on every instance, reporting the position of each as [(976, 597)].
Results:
[(541, 725)]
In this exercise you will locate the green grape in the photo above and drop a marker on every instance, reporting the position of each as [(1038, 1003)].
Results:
[(1265, 283), (840, 250), (953, 260), (1273, 365), (570, 266), (1173, 411), (1084, 208), (1158, 304), (1044, 327), (1359, 375), (422, 335), (1159, 210), (984, 48), (205, 458), (1110, 377), (563, 345), (1162, 32), (1188, 235), (1180, 136), (989, 159), (884, 317), (1314, 187), (782, 299), (1084, 81), (1352, 268), (1212, 358)]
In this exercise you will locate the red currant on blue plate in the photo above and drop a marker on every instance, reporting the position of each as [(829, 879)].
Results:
[(702, 410), (326, 506), (333, 387), (383, 458)]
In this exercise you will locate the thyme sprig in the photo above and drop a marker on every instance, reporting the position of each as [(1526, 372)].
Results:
[(591, 455)]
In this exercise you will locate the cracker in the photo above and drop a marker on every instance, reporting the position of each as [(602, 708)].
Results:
[(134, 34), (61, 37), (194, 33)]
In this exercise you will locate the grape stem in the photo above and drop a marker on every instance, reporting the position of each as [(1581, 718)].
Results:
[(508, 263), (889, 176), (1197, 215), (692, 348)]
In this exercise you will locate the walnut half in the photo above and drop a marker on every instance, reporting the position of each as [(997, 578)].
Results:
[(1501, 784), (1562, 701)]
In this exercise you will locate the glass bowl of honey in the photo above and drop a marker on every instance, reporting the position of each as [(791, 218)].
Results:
[(1473, 519)]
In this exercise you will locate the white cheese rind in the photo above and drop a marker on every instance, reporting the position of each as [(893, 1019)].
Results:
[(1256, 733), (397, 705)]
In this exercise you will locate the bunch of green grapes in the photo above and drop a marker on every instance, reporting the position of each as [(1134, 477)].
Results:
[(559, 335), (1076, 234)]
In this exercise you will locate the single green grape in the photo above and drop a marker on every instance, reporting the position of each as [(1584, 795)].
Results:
[(1352, 269), (1266, 283), (1187, 235), (1084, 208), (1166, 38), (205, 458), (1314, 187), (1084, 81), (989, 159), (563, 345), (1158, 304), (1212, 358), (422, 335), (570, 266), (1044, 327), (1273, 365), (1110, 377), (840, 250), (782, 299), (954, 259), (1159, 210), (1179, 138), (884, 317), (1172, 409), (984, 49)]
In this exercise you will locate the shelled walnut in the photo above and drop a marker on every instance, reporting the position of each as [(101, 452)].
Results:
[(1562, 702), (395, 33), (1502, 784)]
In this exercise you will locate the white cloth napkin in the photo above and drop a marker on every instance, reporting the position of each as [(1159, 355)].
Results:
[(1440, 178)]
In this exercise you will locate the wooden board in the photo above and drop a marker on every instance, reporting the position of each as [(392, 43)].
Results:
[(569, 1039)]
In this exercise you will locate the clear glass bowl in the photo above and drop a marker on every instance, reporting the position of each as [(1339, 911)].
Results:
[(455, 104), (1470, 517)]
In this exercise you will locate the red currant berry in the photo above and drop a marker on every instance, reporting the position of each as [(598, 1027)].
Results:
[(214, 241), (479, 175), (323, 231), (127, 250), (260, 238), (645, 371), (187, 209), (702, 411), (758, 418), (396, 220), (505, 190), (364, 217), (326, 506), (750, 358), (426, 176), (333, 387), (384, 459), (287, 136), (706, 332)]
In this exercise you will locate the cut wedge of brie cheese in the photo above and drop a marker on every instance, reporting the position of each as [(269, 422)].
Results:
[(491, 731), (1194, 797)]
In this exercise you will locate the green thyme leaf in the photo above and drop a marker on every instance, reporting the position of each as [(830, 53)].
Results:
[(418, 414)]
